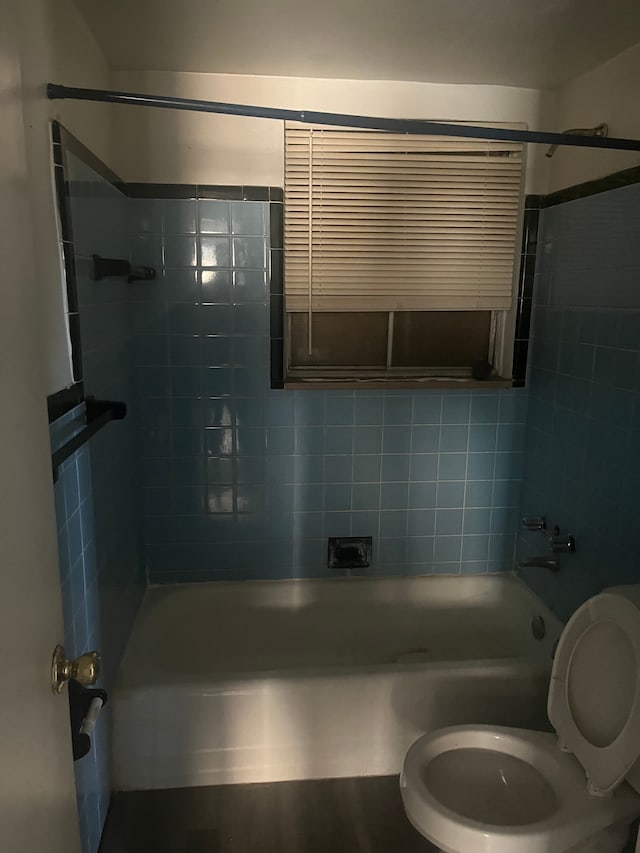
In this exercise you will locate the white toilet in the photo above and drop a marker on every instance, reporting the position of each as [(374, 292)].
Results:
[(488, 789)]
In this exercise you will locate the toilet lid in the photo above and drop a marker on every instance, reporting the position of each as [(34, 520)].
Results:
[(594, 700)]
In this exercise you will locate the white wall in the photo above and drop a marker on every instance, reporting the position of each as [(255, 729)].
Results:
[(37, 794), (173, 147), (57, 47), (609, 93)]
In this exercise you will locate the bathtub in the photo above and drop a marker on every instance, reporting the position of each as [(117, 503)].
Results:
[(301, 679)]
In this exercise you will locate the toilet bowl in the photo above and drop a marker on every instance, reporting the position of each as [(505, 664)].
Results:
[(491, 789), (500, 790)]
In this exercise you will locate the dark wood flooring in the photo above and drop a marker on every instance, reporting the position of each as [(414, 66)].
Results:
[(362, 815)]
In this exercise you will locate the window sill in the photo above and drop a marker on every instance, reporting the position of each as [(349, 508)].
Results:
[(351, 384)]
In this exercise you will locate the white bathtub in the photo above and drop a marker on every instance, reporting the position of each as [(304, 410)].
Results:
[(280, 680)]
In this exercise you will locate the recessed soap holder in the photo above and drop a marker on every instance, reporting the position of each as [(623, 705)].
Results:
[(349, 552)]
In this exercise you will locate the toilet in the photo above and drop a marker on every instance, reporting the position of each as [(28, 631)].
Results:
[(492, 789)]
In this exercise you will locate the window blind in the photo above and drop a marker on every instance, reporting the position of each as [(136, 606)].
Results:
[(396, 222)]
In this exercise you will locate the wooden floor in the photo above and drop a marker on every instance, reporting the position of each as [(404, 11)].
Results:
[(363, 815)]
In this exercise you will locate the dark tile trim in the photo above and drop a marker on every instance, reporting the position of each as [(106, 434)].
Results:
[(57, 153), (62, 197), (530, 231), (276, 303), (276, 225), (527, 276), (277, 363), (70, 272), (277, 271), (600, 185), (523, 319), (520, 352), (220, 193), (69, 142), (61, 402), (255, 193), (76, 348), (204, 191), (276, 325), (176, 191), (530, 225)]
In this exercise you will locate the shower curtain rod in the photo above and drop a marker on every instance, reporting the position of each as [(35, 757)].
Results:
[(415, 126)]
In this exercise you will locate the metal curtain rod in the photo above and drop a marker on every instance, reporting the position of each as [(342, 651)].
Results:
[(416, 126)]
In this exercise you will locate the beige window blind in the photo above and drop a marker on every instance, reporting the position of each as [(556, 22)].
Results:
[(396, 222)]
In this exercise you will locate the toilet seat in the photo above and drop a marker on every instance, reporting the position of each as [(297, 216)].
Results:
[(594, 700), (456, 804), (487, 789)]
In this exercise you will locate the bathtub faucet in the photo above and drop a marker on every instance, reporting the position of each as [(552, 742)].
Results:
[(539, 563)]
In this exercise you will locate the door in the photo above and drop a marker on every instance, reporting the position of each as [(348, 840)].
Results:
[(37, 794)]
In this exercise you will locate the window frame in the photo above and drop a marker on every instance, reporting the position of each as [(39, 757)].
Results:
[(502, 337)]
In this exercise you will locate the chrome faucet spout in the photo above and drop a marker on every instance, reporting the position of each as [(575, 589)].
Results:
[(539, 563)]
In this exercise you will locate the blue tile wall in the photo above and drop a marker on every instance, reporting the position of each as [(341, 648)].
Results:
[(582, 458), (100, 226), (98, 494), (81, 610), (241, 481)]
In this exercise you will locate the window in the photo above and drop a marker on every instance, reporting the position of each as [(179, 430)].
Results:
[(399, 252)]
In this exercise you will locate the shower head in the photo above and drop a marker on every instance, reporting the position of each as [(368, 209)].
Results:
[(599, 130)]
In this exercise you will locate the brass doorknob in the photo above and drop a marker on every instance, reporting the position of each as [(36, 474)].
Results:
[(84, 669)]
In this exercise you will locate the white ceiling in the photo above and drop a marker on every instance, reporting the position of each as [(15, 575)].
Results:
[(531, 43)]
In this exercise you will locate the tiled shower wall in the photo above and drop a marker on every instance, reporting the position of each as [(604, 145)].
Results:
[(97, 492), (583, 450), (241, 481), (100, 226), (81, 610)]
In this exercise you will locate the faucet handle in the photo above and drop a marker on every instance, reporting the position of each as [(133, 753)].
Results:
[(562, 543), (534, 522)]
